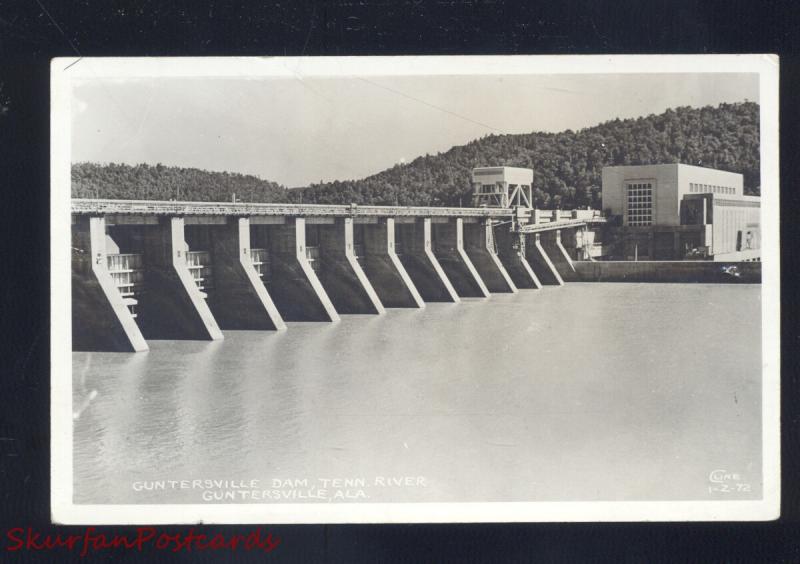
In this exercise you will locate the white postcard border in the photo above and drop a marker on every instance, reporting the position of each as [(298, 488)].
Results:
[(64, 71)]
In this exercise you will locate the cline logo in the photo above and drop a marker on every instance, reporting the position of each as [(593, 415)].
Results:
[(721, 476)]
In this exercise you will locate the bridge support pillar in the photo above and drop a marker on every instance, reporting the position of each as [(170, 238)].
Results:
[(572, 241), (101, 320), (540, 262), (479, 245), (384, 269), (551, 242), (511, 250), (448, 246), (239, 300), (295, 287), (342, 276), (421, 264), (173, 307)]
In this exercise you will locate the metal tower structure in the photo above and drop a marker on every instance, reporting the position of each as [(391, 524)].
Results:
[(502, 187)]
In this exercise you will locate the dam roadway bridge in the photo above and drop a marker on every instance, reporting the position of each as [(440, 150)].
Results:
[(188, 270)]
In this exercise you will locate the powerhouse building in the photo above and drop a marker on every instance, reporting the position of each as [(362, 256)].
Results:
[(678, 212)]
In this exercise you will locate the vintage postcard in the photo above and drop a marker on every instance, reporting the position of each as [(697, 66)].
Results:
[(415, 289)]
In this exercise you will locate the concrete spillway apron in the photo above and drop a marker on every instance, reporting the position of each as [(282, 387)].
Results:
[(449, 250), (479, 245), (544, 268), (101, 321), (384, 269), (294, 285), (240, 300), (173, 307), (342, 276), (551, 242), (421, 264)]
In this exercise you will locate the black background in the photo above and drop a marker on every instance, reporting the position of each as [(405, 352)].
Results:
[(32, 32)]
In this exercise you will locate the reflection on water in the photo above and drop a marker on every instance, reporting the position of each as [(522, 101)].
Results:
[(584, 392)]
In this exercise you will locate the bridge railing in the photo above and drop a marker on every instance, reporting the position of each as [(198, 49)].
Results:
[(199, 263), (127, 272), (262, 263), (163, 207), (313, 256), (540, 217)]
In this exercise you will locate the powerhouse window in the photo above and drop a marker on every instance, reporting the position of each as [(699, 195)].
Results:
[(640, 203)]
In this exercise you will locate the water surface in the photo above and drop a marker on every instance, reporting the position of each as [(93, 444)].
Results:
[(583, 392)]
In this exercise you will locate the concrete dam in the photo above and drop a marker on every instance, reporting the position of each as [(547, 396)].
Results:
[(188, 270)]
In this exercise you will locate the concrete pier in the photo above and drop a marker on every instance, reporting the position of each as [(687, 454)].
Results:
[(479, 245), (551, 242), (511, 250), (294, 286), (173, 307), (383, 267), (101, 320), (240, 300), (540, 262), (570, 241), (448, 247), (342, 277), (423, 267)]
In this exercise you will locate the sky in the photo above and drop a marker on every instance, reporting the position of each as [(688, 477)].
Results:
[(298, 131)]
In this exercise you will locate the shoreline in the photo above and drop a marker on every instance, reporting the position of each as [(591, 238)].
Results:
[(666, 272)]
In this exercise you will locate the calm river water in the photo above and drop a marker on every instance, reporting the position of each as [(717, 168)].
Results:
[(583, 392)]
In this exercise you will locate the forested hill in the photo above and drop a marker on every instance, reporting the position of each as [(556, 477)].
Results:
[(159, 182), (566, 165)]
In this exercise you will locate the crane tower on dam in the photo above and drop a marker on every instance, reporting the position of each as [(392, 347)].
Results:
[(502, 187)]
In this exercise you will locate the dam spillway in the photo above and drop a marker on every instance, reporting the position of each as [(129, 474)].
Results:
[(189, 270)]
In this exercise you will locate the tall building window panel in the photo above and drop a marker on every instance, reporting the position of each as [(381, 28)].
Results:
[(640, 203)]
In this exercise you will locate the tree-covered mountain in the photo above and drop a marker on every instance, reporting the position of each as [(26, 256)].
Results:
[(159, 182), (567, 165)]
